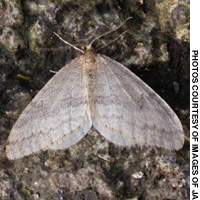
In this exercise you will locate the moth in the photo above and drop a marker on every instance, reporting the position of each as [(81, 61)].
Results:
[(94, 91)]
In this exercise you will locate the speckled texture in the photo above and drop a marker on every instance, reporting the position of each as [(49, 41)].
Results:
[(156, 48)]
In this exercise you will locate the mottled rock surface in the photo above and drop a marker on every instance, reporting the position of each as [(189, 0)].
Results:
[(156, 48)]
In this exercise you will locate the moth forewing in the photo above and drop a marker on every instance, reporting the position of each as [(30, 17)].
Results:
[(94, 91)]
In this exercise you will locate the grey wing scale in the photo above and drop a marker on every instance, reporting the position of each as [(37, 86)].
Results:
[(128, 112), (124, 110), (56, 118)]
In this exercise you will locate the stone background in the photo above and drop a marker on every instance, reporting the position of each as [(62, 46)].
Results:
[(156, 48)]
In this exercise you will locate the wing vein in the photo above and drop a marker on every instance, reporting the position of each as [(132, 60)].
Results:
[(124, 139), (119, 82)]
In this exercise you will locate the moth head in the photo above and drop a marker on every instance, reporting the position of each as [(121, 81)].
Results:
[(87, 48)]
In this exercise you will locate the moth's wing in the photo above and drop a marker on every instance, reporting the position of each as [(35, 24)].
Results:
[(56, 118), (128, 112)]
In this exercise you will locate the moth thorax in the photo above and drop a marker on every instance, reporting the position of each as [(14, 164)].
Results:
[(89, 59)]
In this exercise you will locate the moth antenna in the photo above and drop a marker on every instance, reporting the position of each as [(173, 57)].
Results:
[(71, 45), (108, 32), (123, 33)]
